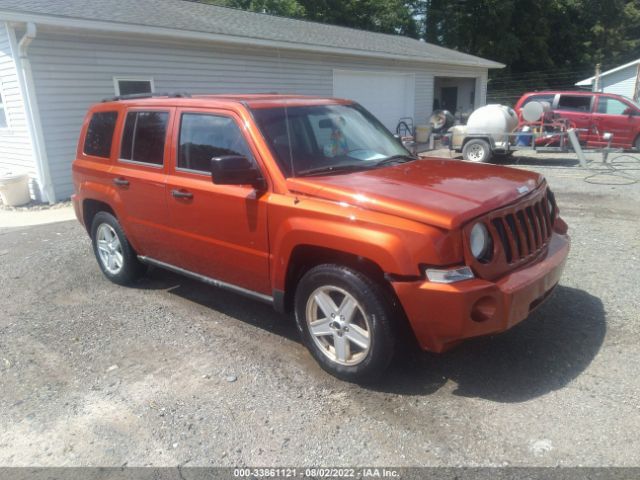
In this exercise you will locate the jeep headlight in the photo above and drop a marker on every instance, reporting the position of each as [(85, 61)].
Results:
[(480, 242)]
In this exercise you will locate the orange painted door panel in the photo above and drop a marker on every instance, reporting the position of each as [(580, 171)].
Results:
[(219, 230), (139, 177), (144, 199)]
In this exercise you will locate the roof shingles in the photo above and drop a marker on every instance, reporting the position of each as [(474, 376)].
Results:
[(204, 18)]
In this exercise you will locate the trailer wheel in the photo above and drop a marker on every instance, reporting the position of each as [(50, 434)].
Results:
[(476, 150)]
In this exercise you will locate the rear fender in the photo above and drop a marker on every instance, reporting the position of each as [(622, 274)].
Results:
[(105, 193)]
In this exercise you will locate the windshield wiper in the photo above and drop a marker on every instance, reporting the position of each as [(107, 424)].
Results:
[(332, 169), (396, 158)]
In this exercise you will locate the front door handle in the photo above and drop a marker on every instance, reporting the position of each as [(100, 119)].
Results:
[(121, 182), (181, 193)]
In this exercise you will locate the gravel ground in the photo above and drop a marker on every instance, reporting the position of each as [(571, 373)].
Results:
[(175, 372)]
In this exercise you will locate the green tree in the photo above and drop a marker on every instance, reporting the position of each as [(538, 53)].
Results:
[(544, 43), (386, 16)]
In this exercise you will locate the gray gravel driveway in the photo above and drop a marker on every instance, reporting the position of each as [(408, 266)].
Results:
[(176, 372)]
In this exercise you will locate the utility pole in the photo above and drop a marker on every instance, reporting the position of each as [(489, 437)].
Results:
[(596, 79), (636, 89)]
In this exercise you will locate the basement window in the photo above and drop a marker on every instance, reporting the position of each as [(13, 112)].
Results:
[(132, 86)]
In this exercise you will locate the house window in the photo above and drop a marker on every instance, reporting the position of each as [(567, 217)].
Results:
[(3, 113), (131, 86), (144, 136), (100, 134)]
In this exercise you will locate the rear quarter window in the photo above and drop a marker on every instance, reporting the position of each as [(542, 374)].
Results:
[(99, 137), (539, 98)]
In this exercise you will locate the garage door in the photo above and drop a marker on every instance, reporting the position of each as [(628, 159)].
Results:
[(389, 96)]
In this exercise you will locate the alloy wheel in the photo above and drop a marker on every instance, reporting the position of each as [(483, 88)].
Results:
[(338, 325), (109, 249)]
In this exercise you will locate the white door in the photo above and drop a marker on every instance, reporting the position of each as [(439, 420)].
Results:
[(389, 96)]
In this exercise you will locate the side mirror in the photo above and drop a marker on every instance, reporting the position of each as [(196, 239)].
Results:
[(630, 111), (236, 170)]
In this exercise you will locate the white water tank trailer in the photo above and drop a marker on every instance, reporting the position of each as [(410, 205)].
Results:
[(493, 120), (533, 111)]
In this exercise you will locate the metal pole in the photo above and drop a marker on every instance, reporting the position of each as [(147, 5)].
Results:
[(575, 143)]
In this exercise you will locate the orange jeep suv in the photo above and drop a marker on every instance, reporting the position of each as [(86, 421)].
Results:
[(311, 205)]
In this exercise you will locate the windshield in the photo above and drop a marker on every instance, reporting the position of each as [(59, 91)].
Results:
[(326, 139)]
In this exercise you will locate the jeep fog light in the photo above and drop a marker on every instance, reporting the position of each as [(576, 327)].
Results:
[(450, 275)]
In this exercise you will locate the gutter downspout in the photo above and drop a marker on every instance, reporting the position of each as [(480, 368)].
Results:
[(33, 114)]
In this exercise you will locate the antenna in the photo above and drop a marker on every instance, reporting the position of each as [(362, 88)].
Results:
[(286, 117)]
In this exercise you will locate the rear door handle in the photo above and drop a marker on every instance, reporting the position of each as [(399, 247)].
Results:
[(121, 182), (181, 193)]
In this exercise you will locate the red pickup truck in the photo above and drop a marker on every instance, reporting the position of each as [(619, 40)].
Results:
[(595, 114)]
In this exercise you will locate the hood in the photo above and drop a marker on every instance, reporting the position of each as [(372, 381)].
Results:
[(442, 193)]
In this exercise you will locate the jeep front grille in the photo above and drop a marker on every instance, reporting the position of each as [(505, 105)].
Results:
[(521, 233), (524, 232)]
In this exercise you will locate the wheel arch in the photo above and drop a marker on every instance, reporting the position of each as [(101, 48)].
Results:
[(304, 257), (90, 208), (486, 138)]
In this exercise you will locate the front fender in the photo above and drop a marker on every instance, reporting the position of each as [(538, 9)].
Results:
[(383, 248), (398, 246)]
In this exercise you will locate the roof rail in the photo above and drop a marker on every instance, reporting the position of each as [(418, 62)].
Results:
[(137, 96)]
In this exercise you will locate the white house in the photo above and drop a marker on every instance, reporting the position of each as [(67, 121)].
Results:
[(57, 57), (620, 80)]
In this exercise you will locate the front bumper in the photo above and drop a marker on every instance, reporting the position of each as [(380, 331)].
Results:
[(442, 315)]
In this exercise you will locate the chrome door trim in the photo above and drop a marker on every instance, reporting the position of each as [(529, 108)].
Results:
[(211, 281)]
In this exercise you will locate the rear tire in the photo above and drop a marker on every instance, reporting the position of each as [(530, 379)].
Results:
[(476, 150), (345, 320), (116, 258)]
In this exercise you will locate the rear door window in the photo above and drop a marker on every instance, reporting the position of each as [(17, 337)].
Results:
[(99, 135), (611, 106), (144, 136), (575, 103)]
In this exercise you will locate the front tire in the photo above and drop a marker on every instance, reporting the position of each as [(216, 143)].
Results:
[(345, 320), (116, 258), (476, 150)]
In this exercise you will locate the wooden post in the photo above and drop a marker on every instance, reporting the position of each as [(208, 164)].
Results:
[(596, 79), (636, 89)]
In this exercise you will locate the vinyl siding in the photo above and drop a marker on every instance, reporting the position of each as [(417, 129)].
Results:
[(16, 151), (621, 82), (71, 72)]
